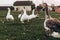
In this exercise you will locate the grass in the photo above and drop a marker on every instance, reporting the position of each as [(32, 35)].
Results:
[(32, 30)]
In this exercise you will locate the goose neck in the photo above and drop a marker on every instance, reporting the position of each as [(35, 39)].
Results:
[(47, 13), (8, 11), (33, 12), (24, 11)]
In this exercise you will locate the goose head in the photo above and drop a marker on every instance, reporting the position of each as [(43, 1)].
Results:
[(24, 9), (8, 8), (45, 5)]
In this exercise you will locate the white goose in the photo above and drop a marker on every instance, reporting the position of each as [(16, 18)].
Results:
[(24, 16), (51, 25), (9, 16), (33, 15)]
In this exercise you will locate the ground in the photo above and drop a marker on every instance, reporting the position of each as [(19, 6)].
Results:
[(32, 30)]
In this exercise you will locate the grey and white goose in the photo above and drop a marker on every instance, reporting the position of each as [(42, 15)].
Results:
[(51, 25)]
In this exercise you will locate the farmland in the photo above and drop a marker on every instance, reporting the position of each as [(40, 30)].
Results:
[(32, 30)]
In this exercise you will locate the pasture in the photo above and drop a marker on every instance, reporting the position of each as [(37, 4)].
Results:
[(32, 30)]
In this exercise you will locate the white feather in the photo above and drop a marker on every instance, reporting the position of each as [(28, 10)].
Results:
[(56, 34), (32, 15), (45, 25), (24, 16)]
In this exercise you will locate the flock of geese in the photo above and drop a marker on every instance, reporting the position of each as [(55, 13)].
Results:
[(22, 17), (51, 25)]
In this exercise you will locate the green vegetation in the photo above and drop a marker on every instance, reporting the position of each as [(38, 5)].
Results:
[(32, 30)]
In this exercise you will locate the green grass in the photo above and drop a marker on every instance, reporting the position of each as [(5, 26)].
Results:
[(32, 30)]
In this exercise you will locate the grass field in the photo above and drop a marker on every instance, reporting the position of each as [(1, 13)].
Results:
[(32, 30)]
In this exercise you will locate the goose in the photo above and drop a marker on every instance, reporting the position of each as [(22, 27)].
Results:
[(9, 16), (24, 16), (51, 25), (33, 15)]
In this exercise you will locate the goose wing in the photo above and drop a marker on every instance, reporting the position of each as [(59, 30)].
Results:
[(54, 25)]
